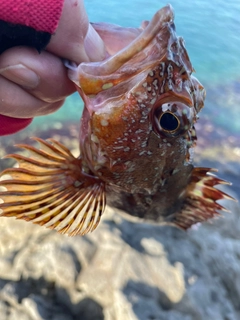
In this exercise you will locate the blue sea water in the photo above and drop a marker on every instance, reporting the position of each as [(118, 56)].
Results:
[(211, 31)]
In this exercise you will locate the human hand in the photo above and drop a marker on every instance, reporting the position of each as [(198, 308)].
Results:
[(33, 84)]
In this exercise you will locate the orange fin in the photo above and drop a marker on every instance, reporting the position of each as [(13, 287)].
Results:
[(201, 199), (50, 189)]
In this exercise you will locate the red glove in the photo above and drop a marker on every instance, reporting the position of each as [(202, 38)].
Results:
[(28, 23)]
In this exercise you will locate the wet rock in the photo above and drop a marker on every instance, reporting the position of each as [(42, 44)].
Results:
[(123, 270)]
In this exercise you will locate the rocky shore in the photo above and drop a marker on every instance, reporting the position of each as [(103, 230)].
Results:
[(123, 270)]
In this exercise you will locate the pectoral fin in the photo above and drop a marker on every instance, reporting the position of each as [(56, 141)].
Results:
[(50, 189), (201, 199)]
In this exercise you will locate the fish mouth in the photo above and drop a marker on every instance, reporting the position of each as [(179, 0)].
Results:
[(151, 45), (151, 29)]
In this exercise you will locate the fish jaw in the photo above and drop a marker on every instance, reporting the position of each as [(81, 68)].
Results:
[(95, 77), (157, 41)]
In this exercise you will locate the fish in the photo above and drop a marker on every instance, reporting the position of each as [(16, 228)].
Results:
[(137, 137)]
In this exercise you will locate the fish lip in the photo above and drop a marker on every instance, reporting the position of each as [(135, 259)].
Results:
[(162, 17)]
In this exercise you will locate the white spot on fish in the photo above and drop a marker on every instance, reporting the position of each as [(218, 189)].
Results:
[(144, 113), (162, 87), (107, 86), (153, 100), (94, 138), (104, 122), (144, 84), (162, 67), (151, 73), (126, 149), (155, 83), (77, 184), (163, 182), (175, 171), (170, 84)]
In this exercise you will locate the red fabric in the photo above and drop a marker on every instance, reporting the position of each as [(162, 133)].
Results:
[(12, 125), (42, 15)]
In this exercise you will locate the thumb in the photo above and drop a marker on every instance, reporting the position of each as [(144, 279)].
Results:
[(75, 39)]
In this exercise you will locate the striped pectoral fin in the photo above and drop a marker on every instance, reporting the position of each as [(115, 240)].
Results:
[(201, 198), (50, 189)]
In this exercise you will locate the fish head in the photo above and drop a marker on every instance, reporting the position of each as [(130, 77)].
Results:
[(140, 108)]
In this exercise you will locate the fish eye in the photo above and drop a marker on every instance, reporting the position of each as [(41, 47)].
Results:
[(172, 119), (169, 122)]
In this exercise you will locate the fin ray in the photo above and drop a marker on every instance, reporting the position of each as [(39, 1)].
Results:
[(201, 199), (60, 147), (50, 189)]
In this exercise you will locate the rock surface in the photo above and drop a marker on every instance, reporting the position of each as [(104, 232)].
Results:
[(123, 270)]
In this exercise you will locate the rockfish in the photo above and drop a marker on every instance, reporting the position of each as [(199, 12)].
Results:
[(137, 138)]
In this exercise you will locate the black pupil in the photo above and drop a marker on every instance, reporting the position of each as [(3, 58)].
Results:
[(169, 122)]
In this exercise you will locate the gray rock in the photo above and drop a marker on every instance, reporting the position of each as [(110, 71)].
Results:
[(123, 270)]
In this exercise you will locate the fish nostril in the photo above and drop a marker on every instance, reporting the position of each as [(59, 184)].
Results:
[(169, 122)]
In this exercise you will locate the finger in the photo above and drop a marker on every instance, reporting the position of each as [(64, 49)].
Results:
[(75, 39), (18, 103), (42, 75)]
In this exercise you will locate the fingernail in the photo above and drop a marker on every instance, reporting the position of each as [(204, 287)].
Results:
[(21, 75)]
